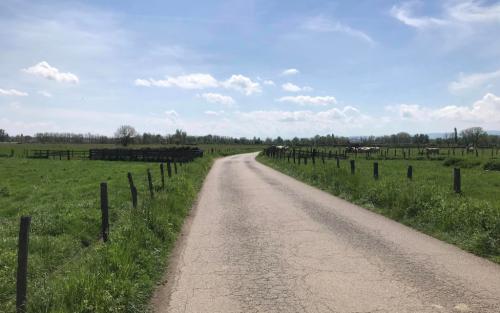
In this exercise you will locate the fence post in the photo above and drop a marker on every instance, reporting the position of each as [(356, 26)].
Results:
[(169, 168), (338, 162), (175, 167), (104, 212), (162, 172), (353, 167), (22, 264), (456, 180), (134, 197), (375, 170), (132, 187), (409, 172), (150, 184)]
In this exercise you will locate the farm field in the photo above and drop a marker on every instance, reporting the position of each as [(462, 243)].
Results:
[(428, 202), (20, 150), (69, 268)]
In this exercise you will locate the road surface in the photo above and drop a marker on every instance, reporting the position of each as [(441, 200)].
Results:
[(260, 241)]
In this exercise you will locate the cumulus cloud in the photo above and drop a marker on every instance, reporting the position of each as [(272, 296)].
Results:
[(171, 116), (47, 71), (190, 81), (290, 71), (473, 80), (242, 84), (214, 113), (322, 24), (309, 100), (218, 98), (203, 81), (45, 93), (269, 83), (12, 92), (485, 112), (294, 88)]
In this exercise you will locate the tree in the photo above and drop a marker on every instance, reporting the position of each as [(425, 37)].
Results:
[(473, 135), (3, 135), (125, 134)]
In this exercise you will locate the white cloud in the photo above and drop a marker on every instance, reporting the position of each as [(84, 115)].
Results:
[(291, 87), (202, 81), (242, 84), (322, 24), (473, 80), (218, 98), (171, 115), (215, 113), (190, 81), (290, 71), (404, 13), (269, 83), (309, 100), (44, 70), (474, 11), (12, 92), (45, 93), (294, 88), (455, 13), (484, 112)]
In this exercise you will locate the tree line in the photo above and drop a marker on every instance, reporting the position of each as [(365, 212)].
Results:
[(126, 135)]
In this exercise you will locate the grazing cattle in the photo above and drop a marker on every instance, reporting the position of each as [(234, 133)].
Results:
[(369, 149), (432, 150)]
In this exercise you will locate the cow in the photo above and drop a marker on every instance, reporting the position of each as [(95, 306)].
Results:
[(369, 149), (431, 151)]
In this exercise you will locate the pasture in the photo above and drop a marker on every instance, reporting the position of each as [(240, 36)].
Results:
[(470, 219), (70, 268)]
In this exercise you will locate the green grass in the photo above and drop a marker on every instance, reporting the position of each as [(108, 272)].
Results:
[(19, 150), (470, 220), (70, 269)]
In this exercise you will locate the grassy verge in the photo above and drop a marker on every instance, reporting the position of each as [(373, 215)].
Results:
[(470, 220), (70, 269)]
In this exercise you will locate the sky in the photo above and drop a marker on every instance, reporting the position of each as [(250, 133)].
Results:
[(249, 68)]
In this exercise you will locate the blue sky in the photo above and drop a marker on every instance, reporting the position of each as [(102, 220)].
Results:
[(245, 68)]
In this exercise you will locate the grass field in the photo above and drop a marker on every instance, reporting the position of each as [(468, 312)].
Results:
[(470, 220), (70, 268), (19, 150)]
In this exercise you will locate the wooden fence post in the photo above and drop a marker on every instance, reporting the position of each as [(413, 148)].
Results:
[(22, 264), (456, 180), (353, 167), (169, 168), (134, 197), (338, 162), (132, 188), (409, 172), (150, 184), (104, 212), (375, 170), (162, 172)]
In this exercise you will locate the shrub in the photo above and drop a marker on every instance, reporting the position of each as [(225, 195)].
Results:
[(462, 163), (492, 165)]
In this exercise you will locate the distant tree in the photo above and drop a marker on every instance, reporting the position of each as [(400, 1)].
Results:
[(473, 135), (3, 135), (125, 134)]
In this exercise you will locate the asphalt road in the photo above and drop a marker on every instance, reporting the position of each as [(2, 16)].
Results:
[(260, 241)]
